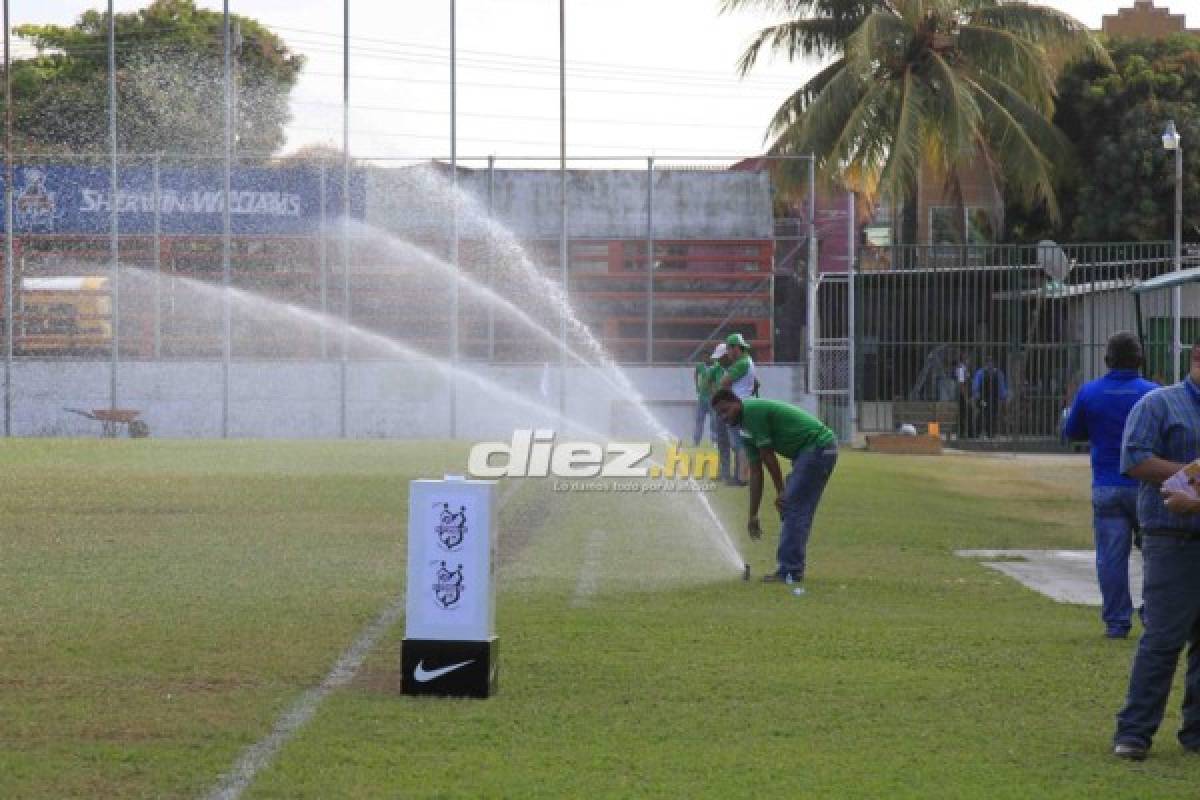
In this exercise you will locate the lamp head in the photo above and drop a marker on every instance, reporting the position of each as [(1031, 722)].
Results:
[(1171, 137)]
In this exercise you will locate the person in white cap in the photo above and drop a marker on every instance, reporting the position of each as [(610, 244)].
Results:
[(740, 378), (720, 429)]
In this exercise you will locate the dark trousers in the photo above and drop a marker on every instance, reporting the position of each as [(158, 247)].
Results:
[(1172, 603), (802, 492), (989, 410), (721, 435), (964, 416), (1114, 522)]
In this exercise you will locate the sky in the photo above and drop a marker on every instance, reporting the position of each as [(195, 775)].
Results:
[(644, 77)]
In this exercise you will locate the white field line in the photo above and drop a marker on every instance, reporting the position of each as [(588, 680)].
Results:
[(260, 754), (589, 581)]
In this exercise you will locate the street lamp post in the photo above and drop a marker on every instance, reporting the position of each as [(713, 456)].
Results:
[(1173, 141)]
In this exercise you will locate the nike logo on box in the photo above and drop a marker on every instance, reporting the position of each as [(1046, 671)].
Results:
[(422, 675)]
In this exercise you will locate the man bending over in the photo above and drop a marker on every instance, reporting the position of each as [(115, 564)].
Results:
[(771, 428)]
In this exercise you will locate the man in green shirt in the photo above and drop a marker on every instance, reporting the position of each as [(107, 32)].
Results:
[(769, 429), (739, 376)]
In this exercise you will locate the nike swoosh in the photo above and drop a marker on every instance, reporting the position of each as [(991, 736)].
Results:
[(422, 675)]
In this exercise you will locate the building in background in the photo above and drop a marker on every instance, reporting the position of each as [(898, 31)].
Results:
[(713, 253), (1145, 21)]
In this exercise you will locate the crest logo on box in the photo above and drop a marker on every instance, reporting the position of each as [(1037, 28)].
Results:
[(449, 587), (451, 529)]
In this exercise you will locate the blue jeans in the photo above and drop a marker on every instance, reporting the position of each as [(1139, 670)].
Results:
[(704, 409), (1172, 600), (737, 449), (1114, 520), (721, 436), (801, 494)]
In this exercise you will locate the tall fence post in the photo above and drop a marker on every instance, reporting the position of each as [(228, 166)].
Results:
[(8, 232), (113, 242), (491, 269), (227, 232), (156, 243), (650, 260), (851, 343), (810, 283), (323, 255), (1177, 292), (562, 182), (343, 367), (454, 298)]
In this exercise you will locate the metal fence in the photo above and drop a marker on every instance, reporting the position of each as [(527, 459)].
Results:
[(1031, 321), (413, 259)]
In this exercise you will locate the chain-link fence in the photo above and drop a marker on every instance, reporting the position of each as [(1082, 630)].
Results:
[(992, 342)]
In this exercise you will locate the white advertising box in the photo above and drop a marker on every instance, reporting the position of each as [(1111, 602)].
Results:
[(451, 571)]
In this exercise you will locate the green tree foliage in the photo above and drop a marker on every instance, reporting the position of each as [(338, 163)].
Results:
[(925, 87), (1116, 119), (170, 87)]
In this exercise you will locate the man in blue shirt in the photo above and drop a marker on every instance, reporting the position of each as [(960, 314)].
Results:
[(990, 390), (1098, 416), (1162, 435)]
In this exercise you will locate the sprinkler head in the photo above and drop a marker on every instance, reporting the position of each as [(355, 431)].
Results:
[(745, 572)]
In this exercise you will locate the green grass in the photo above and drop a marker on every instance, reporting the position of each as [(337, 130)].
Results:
[(161, 603)]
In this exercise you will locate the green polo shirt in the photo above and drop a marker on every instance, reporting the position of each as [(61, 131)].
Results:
[(703, 384), (715, 373), (783, 427)]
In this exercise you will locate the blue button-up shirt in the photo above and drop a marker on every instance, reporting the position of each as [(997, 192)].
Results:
[(1098, 415), (1164, 423)]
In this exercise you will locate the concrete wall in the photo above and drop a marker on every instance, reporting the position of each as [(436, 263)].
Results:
[(385, 400), (601, 204)]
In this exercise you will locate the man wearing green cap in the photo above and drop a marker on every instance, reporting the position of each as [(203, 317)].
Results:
[(720, 430), (741, 380), (771, 428)]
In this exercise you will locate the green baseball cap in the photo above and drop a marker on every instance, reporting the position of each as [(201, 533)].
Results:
[(736, 340)]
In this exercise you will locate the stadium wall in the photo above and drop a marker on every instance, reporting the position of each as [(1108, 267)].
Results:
[(385, 400)]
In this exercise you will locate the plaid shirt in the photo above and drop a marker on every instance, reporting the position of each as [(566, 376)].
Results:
[(1164, 423)]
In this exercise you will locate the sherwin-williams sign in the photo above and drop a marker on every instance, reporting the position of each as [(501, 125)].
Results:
[(449, 636), (79, 200)]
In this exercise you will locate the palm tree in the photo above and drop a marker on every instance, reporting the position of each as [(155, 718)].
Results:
[(934, 85)]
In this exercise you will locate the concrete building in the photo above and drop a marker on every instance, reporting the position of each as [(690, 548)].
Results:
[(1145, 21)]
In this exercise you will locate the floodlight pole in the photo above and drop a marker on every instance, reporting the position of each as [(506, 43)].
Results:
[(113, 243), (8, 232)]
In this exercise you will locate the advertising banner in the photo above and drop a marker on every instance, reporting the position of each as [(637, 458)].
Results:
[(263, 201)]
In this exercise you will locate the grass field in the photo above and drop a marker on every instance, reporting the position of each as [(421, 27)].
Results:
[(163, 603)]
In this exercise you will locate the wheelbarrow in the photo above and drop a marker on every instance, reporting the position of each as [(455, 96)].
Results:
[(112, 420)]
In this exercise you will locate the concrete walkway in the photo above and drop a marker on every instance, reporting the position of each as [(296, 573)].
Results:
[(1065, 576)]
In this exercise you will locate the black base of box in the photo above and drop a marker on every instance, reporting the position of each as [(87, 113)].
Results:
[(448, 668)]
